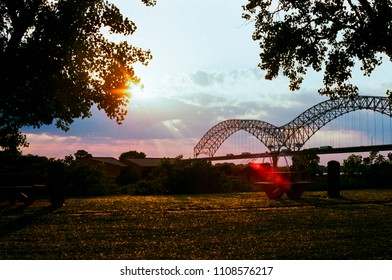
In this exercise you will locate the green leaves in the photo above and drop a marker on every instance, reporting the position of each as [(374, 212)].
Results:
[(113, 18), (326, 36), (180, 176)]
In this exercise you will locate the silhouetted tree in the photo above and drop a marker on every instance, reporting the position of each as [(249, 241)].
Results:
[(11, 139), (82, 179), (307, 163), (378, 170), (132, 154), (353, 166), (295, 35), (373, 171), (82, 154), (56, 63)]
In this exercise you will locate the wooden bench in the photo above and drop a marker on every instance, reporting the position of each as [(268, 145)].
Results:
[(279, 183), (273, 190), (297, 189)]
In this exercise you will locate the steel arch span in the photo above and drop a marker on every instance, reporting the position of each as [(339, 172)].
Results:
[(297, 132)]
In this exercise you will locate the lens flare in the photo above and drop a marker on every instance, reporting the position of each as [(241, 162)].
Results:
[(274, 183)]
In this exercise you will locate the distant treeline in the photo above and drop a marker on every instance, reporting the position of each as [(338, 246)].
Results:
[(179, 176), (373, 171)]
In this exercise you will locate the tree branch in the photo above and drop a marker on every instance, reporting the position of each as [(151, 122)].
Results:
[(22, 18), (355, 9)]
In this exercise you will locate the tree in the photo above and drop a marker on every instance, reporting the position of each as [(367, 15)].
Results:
[(56, 63), (374, 171), (353, 166), (132, 154), (296, 35), (82, 154), (307, 163)]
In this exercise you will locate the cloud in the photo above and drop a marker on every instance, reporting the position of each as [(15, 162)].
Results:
[(203, 78), (45, 137), (241, 93)]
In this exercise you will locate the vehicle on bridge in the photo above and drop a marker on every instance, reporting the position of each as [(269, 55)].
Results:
[(325, 147)]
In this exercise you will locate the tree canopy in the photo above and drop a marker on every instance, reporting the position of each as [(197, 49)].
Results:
[(132, 154), (328, 35), (56, 63)]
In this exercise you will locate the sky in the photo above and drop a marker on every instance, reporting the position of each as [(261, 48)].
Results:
[(204, 70)]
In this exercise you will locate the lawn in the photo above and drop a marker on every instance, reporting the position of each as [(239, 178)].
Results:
[(218, 226)]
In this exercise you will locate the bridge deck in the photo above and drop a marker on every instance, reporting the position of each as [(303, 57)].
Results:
[(331, 150)]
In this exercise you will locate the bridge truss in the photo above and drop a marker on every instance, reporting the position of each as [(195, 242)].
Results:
[(294, 134)]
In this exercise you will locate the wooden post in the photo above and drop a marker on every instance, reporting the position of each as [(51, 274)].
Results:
[(333, 179)]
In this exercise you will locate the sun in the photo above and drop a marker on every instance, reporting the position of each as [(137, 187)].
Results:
[(134, 90), (138, 96)]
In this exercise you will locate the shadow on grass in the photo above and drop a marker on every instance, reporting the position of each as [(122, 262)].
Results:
[(15, 218), (322, 201)]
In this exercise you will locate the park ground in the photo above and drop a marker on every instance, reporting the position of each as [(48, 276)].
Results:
[(216, 226)]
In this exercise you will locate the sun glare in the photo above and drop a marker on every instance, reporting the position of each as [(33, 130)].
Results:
[(137, 94), (134, 90)]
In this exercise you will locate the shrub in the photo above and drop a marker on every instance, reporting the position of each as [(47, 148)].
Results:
[(185, 177), (82, 180), (126, 178), (144, 188)]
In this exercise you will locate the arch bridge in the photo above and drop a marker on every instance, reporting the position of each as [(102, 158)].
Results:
[(297, 132)]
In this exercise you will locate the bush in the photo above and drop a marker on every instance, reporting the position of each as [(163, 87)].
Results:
[(144, 188), (237, 185), (126, 178), (189, 177), (82, 180)]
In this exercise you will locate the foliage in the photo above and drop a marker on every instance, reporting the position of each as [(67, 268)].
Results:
[(307, 162), (132, 154), (374, 170), (230, 169), (126, 177), (84, 180), (179, 176), (296, 35), (353, 169), (11, 139), (56, 63), (82, 154), (35, 166), (145, 187), (353, 165)]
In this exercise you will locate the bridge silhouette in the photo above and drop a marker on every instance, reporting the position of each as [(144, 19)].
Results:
[(291, 137)]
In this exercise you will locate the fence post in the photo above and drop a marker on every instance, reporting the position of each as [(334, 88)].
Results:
[(333, 179)]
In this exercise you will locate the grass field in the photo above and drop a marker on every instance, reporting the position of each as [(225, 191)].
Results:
[(219, 226)]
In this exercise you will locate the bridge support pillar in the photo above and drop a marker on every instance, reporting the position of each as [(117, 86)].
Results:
[(333, 179), (274, 162)]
